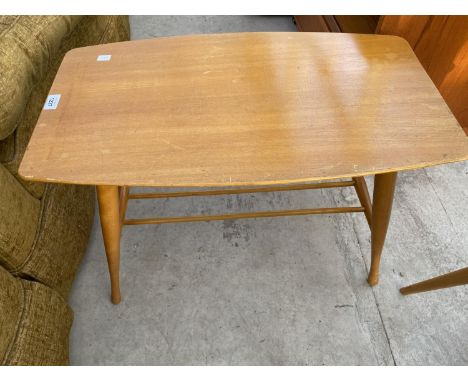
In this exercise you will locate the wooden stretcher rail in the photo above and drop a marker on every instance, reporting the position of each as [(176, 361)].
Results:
[(243, 190), (244, 215)]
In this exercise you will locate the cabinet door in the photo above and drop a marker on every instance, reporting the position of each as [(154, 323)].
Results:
[(357, 24), (316, 23), (347, 24)]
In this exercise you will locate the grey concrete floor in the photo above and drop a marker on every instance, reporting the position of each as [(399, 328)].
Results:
[(156, 26), (279, 291)]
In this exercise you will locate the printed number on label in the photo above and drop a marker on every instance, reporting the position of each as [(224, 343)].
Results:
[(52, 102)]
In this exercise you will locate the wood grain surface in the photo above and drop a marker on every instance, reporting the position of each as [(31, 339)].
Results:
[(241, 109)]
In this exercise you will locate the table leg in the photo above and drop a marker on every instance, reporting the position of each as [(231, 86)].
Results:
[(448, 280), (108, 198), (384, 188)]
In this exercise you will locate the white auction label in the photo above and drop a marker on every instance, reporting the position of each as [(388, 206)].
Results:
[(52, 102), (104, 57)]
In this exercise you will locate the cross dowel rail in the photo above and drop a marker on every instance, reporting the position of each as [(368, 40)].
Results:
[(313, 186), (244, 215)]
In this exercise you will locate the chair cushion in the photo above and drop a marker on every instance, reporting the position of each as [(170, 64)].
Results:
[(44, 240), (65, 223), (19, 217), (35, 323), (67, 214)]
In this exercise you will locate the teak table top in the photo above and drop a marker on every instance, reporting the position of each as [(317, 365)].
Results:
[(241, 109)]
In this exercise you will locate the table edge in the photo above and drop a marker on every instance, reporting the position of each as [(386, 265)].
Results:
[(32, 178)]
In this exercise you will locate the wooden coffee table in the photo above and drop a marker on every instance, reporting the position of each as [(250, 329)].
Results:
[(262, 111)]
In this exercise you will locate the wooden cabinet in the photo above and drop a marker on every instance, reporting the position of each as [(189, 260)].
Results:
[(346, 24), (440, 43)]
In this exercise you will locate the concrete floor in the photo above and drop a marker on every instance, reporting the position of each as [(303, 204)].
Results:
[(279, 291)]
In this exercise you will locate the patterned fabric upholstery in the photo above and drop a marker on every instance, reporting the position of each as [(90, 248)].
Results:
[(19, 212), (65, 223), (34, 323)]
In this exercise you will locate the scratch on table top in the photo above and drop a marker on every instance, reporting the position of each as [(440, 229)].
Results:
[(172, 144)]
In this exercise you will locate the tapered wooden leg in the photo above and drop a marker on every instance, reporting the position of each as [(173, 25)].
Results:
[(363, 194), (384, 188), (448, 280), (109, 212)]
